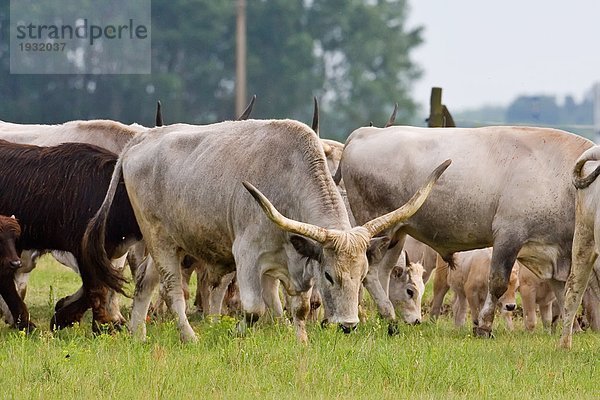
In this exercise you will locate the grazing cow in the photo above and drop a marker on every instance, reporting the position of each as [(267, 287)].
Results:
[(426, 256), (586, 241), (511, 189), (406, 289), (10, 231), (184, 183), (59, 190), (469, 282)]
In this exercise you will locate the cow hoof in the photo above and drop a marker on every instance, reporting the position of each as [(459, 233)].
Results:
[(482, 332), (566, 342), (393, 328)]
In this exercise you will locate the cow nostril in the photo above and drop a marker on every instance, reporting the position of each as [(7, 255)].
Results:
[(511, 307), (410, 293), (324, 323), (15, 263), (417, 322), (347, 328)]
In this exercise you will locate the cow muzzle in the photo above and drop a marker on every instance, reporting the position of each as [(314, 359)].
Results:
[(510, 307), (348, 327)]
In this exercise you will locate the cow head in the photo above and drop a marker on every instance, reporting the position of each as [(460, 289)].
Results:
[(10, 230), (406, 290), (342, 255)]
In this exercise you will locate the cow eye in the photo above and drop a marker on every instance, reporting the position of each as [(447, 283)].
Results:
[(329, 278), (410, 293)]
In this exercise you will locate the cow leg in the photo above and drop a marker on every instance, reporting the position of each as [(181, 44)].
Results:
[(146, 281), (202, 301), (584, 256), (270, 294), (21, 278), (250, 294), (459, 308), (504, 256), (300, 307), (546, 316), (163, 302), (592, 309), (135, 256), (440, 287), (70, 309), (217, 293), (15, 304), (375, 287), (529, 305)]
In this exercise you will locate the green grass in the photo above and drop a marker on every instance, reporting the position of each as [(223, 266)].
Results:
[(430, 361)]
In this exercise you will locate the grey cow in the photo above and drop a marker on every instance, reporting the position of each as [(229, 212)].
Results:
[(586, 242), (185, 186), (509, 187)]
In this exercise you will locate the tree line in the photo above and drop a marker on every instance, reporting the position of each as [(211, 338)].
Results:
[(354, 55)]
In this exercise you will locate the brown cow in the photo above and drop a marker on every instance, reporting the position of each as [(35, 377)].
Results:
[(60, 189), (535, 292), (469, 281), (10, 231)]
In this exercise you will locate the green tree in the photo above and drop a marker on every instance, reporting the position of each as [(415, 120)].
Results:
[(354, 55), (365, 55)]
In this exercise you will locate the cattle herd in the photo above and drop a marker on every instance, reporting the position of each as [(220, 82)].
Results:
[(265, 208)]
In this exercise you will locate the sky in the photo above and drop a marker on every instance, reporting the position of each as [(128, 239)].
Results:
[(489, 52)]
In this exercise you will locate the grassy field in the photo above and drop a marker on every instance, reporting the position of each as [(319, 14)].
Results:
[(430, 361)]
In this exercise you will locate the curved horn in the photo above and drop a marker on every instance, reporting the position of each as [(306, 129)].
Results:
[(390, 219), (583, 182), (315, 121), (159, 118), (392, 117), (311, 231), (247, 110)]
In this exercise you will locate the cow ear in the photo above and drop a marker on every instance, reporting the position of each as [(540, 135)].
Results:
[(398, 271), (377, 248), (307, 247)]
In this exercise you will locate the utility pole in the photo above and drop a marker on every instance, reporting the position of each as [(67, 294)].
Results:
[(240, 58)]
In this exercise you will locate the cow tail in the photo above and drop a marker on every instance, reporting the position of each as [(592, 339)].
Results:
[(585, 181), (94, 239), (581, 182), (450, 261)]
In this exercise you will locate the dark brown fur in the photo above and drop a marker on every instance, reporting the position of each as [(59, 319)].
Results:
[(54, 191), (9, 262)]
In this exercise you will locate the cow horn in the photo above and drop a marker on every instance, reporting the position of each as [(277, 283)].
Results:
[(315, 121), (390, 219), (392, 117), (248, 110), (311, 231), (159, 118)]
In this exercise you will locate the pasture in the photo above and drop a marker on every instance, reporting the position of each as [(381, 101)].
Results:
[(432, 360)]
